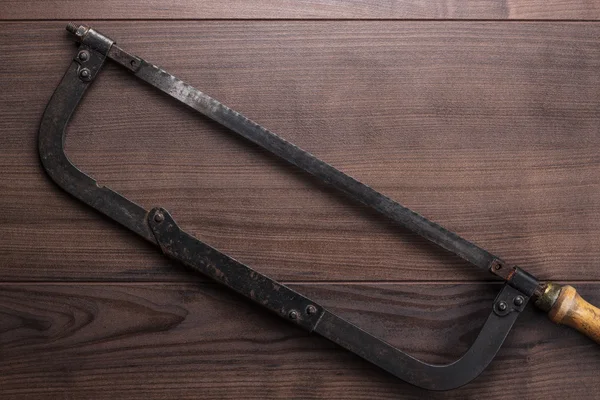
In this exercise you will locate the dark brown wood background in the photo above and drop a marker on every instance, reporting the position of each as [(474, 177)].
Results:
[(481, 115)]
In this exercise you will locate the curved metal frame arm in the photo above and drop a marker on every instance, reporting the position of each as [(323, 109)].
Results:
[(158, 227), (51, 138)]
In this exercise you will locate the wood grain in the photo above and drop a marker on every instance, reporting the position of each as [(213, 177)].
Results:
[(488, 128), (301, 9), (106, 341), (572, 310)]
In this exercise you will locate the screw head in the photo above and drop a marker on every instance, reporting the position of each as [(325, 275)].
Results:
[(519, 300), (502, 306), (310, 310), (83, 55), (293, 314), (85, 74), (159, 217)]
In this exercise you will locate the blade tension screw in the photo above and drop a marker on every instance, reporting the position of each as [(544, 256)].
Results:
[(519, 300), (85, 74), (502, 306), (83, 55), (310, 310), (159, 217), (293, 314)]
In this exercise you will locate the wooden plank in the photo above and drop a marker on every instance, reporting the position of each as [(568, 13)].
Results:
[(301, 9), (488, 128), (160, 341)]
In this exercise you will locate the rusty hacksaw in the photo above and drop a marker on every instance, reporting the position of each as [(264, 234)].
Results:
[(562, 303)]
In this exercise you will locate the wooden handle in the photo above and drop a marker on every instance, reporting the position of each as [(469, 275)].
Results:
[(571, 310)]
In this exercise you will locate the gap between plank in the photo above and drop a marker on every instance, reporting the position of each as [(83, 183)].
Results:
[(298, 20), (302, 283)]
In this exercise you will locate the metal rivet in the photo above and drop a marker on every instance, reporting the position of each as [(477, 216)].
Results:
[(310, 310), (83, 55), (497, 267), (293, 314), (519, 300), (159, 217), (85, 74), (502, 306)]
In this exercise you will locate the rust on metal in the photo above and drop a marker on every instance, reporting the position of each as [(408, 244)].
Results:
[(159, 228)]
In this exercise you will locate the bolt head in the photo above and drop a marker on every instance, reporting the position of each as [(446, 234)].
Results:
[(293, 314), (519, 300), (310, 310), (83, 55), (85, 74), (159, 217), (502, 306)]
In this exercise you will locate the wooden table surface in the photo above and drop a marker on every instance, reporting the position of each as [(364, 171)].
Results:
[(481, 115)]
